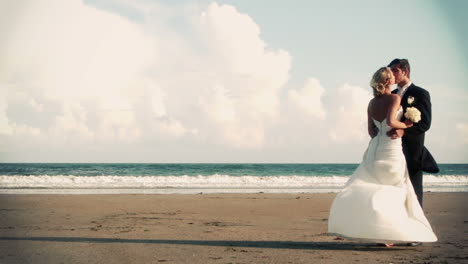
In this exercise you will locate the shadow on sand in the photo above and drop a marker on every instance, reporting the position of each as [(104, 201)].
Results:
[(217, 243)]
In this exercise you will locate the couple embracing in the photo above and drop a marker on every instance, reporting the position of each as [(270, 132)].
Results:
[(382, 200)]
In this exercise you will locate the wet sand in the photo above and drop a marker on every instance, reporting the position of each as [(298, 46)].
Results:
[(214, 228)]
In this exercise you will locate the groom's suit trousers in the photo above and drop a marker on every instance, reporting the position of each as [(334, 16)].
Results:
[(413, 149), (417, 182)]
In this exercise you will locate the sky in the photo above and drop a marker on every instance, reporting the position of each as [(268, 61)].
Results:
[(220, 81)]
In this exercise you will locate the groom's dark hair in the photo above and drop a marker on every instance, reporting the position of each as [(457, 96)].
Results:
[(403, 64)]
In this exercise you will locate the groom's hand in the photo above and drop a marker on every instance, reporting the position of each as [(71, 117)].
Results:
[(396, 133)]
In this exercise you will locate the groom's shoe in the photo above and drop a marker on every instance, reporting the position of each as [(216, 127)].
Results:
[(414, 244)]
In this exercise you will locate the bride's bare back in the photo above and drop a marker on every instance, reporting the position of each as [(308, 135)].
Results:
[(384, 107), (381, 106)]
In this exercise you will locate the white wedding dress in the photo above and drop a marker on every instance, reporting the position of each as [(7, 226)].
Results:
[(378, 202)]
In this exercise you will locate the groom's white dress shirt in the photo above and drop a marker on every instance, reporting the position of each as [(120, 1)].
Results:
[(402, 90)]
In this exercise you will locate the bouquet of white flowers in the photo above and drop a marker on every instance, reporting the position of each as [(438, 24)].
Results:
[(413, 114)]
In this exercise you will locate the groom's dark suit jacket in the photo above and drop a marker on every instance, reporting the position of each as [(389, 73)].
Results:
[(417, 156)]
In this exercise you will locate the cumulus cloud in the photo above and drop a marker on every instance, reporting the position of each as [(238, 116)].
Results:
[(309, 98), (350, 118), (71, 71), (63, 54), (219, 105), (247, 77)]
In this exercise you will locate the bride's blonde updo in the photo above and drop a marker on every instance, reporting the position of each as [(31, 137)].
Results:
[(381, 80)]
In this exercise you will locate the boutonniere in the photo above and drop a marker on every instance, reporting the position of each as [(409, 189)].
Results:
[(410, 100)]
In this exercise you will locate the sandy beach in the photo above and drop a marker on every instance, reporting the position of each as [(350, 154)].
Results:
[(207, 228)]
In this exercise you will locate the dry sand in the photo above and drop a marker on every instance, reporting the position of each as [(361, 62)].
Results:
[(214, 228)]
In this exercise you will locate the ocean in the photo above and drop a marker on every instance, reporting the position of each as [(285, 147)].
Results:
[(185, 178)]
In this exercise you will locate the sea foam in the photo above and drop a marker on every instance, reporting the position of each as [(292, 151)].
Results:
[(212, 183)]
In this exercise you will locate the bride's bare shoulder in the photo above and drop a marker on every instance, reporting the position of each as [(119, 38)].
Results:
[(372, 102), (395, 98)]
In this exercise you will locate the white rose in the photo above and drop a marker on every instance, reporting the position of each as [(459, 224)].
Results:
[(410, 99), (413, 114)]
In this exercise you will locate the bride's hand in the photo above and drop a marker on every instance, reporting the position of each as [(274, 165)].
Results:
[(408, 123)]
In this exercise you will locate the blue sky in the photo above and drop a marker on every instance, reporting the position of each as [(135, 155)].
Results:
[(220, 81)]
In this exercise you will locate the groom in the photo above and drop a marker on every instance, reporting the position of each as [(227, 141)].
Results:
[(418, 158)]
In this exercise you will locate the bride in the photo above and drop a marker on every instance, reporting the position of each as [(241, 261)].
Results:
[(378, 203)]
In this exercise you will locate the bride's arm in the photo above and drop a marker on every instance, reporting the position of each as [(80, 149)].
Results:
[(371, 128), (391, 114)]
